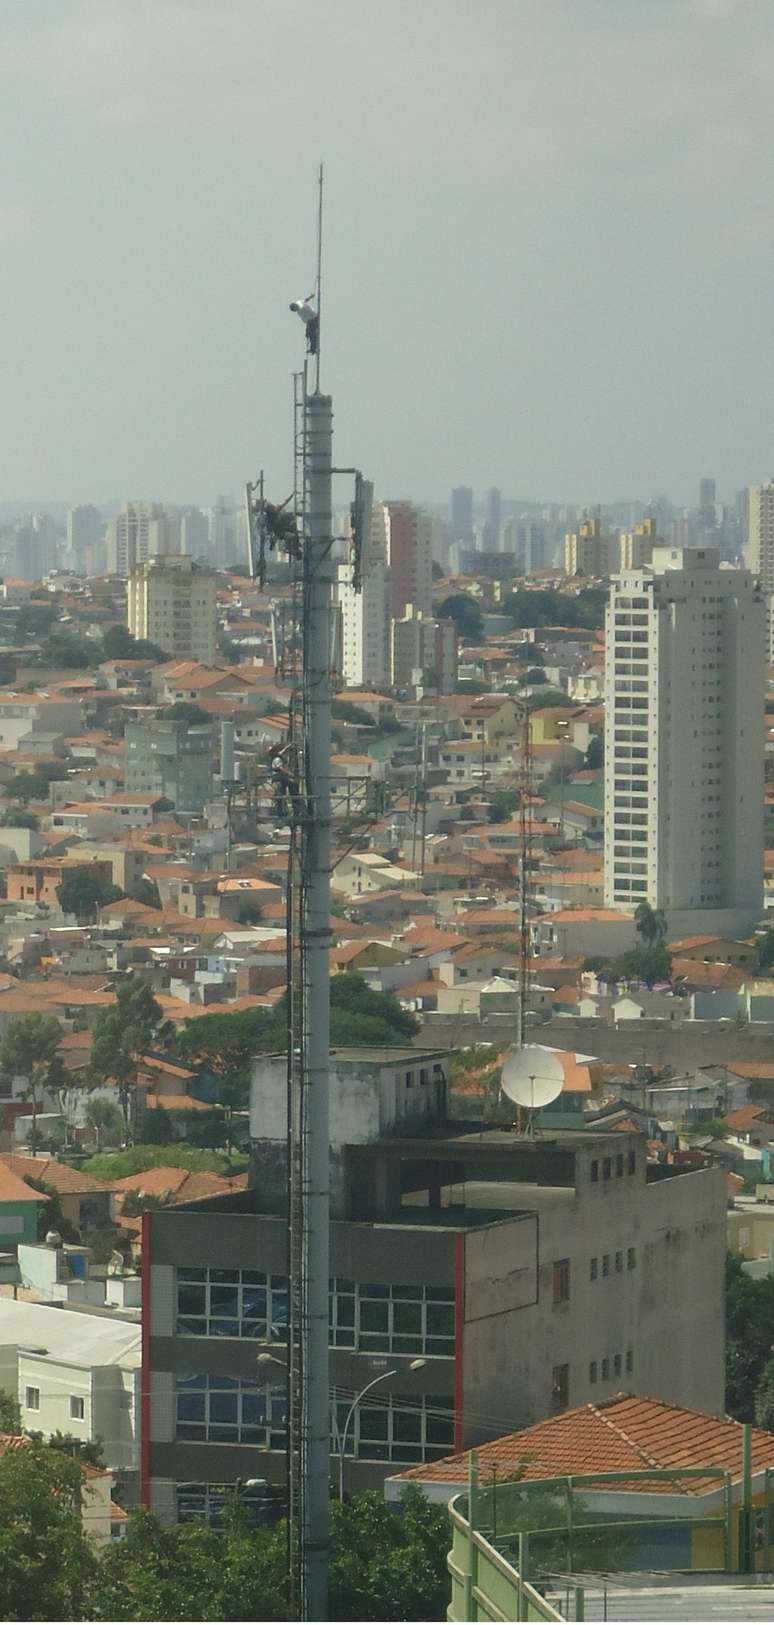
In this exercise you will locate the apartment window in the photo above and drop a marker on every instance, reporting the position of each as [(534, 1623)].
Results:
[(562, 1280), (32, 1399), (228, 1410), (619, 1165), (630, 1360), (593, 1371), (232, 1303), (595, 1172), (77, 1408), (607, 1167), (632, 1162), (393, 1428), (206, 1503), (618, 1263), (605, 1370), (605, 1263), (593, 1269), (560, 1388), (393, 1319), (616, 1365), (631, 1258)]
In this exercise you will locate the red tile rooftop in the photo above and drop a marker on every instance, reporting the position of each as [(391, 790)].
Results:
[(625, 1432)]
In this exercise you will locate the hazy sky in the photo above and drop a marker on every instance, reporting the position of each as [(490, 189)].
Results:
[(549, 242)]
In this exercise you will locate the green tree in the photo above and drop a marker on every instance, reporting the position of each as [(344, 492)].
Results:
[(345, 711), (186, 711), (173, 1573), (105, 1118), (766, 948), (595, 755), (135, 1159), (387, 1565), (463, 610), (646, 964), (122, 1034), (10, 1413), (651, 923), (156, 1127), (48, 1566), (66, 649), (88, 1450), (749, 1337), (533, 675), (502, 805), (83, 891), (13, 819), (118, 643), (28, 1050), (764, 1398)]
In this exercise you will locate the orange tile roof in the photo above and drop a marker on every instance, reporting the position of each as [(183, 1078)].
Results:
[(14, 1189), (625, 1432), (58, 1175)]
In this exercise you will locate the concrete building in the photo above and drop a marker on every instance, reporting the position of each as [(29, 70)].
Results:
[(75, 1372), (173, 602), (587, 552), (461, 520), (493, 521), (424, 652), (365, 612), (84, 537), (170, 759), (759, 548), (510, 1268), (684, 761), (410, 557), (636, 546), (194, 533), (140, 531)]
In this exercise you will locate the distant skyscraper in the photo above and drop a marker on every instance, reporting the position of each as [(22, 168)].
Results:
[(410, 557), (194, 534), (684, 741), (461, 525), (84, 535), (138, 533), (222, 535), (493, 521), (172, 602), (759, 551), (365, 615), (707, 503), (34, 551)]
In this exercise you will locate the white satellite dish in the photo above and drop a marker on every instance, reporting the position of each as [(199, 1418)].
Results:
[(533, 1076)]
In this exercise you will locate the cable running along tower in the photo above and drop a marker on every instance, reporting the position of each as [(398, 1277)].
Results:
[(301, 530)]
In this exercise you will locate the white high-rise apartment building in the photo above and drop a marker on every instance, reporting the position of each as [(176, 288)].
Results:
[(684, 741), (173, 602), (365, 615), (759, 551), (140, 531)]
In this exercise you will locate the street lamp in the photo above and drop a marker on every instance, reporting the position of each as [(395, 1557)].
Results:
[(414, 1365)]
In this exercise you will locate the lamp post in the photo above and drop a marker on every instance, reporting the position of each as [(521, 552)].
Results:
[(415, 1365)]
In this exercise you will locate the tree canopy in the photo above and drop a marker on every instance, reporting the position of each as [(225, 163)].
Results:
[(466, 614), (547, 607), (29, 1049), (749, 1340), (122, 1034), (83, 890), (48, 1567), (118, 643), (186, 711)]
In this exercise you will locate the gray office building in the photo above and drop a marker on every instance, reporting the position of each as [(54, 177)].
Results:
[(171, 759)]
